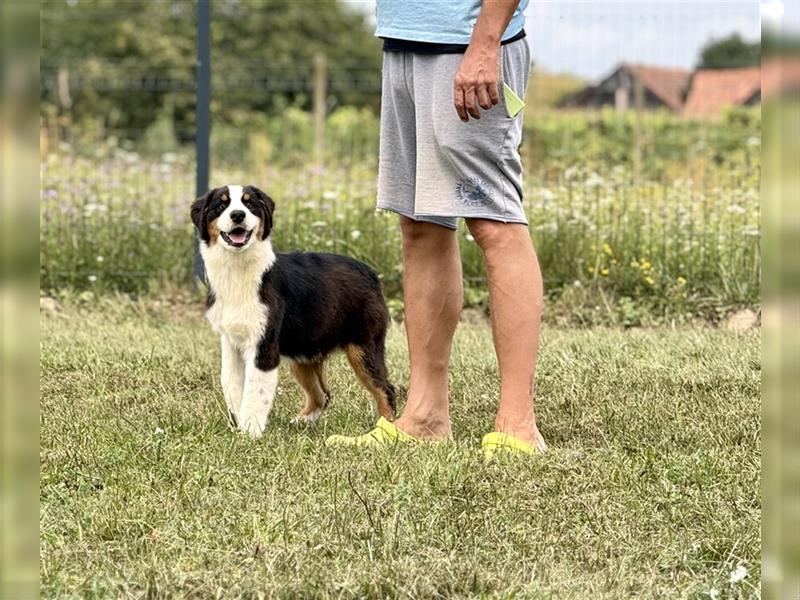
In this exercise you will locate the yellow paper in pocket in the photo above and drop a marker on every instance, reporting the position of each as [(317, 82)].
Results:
[(514, 103)]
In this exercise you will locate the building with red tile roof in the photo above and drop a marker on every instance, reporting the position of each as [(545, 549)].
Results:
[(662, 87), (714, 90)]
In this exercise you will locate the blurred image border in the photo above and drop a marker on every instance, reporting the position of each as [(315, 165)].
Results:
[(19, 496), (781, 317)]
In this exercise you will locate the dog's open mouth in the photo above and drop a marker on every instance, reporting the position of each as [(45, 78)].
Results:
[(237, 237)]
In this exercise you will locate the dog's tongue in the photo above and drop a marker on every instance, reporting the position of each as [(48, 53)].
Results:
[(238, 236)]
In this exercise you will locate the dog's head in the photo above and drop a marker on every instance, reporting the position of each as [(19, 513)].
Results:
[(234, 216)]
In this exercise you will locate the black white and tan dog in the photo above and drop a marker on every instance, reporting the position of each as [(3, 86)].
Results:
[(301, 306)]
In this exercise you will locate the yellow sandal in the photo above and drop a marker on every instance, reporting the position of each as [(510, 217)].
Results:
[(497, 441), (385, 433)]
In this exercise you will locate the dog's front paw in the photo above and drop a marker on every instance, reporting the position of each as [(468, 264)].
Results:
[(309, 418), (253, 424)]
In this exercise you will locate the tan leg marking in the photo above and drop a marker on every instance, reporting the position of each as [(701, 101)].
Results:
[(306, 376), (356, 357), (319, 369)]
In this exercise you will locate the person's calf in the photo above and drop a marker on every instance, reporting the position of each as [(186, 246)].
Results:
[(433, 295), (515, 298)]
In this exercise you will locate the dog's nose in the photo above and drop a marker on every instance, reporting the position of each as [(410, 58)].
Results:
[(237, 216)]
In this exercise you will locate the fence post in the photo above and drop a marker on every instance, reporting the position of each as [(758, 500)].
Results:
[(638, 104), (203, 114), (64, 118), (320, 95)]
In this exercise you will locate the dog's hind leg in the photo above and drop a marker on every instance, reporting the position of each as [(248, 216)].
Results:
[(309, 376), (319, 369), (369, 364)]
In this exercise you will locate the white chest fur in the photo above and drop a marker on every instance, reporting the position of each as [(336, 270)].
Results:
[(235, 279)]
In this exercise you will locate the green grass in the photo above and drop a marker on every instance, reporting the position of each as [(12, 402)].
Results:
[(652, 487)]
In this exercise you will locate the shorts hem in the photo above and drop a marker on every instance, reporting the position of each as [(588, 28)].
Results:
[(488, 217), (435, 219)]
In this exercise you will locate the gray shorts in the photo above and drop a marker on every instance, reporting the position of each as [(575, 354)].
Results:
[(434, 167)]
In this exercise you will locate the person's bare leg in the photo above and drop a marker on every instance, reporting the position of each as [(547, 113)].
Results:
[(515, 298), (433, 295)]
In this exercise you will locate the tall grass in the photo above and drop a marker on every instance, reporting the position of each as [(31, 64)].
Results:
[(675, 245)]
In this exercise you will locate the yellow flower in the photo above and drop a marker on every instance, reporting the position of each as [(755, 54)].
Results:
[(634, 264), (607, 249), (650, 280), (646, 265), (604, 272), (681, 281)]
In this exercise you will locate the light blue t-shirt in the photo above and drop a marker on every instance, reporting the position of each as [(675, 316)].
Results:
[(436, 21)]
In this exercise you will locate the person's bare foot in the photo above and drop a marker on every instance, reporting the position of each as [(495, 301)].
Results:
[(425, 426), (525, 430)]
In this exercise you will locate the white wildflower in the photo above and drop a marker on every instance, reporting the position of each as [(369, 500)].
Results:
[(100, 259), (92, 278), (713, 593), (594, 180), (158, 431), (355, 234), (738, 574), (130, 157), (736, 209), (329, 195)]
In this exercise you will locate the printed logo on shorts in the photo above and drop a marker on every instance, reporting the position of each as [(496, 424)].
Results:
[(473, 192)]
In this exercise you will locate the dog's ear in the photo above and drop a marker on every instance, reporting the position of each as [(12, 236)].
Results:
[(267, 210), (199, 209)]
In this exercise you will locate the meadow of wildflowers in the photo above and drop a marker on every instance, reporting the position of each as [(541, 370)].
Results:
[(616, 242)]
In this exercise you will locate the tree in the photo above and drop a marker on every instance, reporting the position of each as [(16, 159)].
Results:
[(129, 62), (730, 52), (777, 42)]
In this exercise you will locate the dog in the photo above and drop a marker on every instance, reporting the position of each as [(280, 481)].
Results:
[(302, 306)]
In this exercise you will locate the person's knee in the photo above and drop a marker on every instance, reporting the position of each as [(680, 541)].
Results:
[(420, 232), (490, 234)]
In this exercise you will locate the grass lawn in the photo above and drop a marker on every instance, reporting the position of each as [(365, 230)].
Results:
[(652, 486)]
